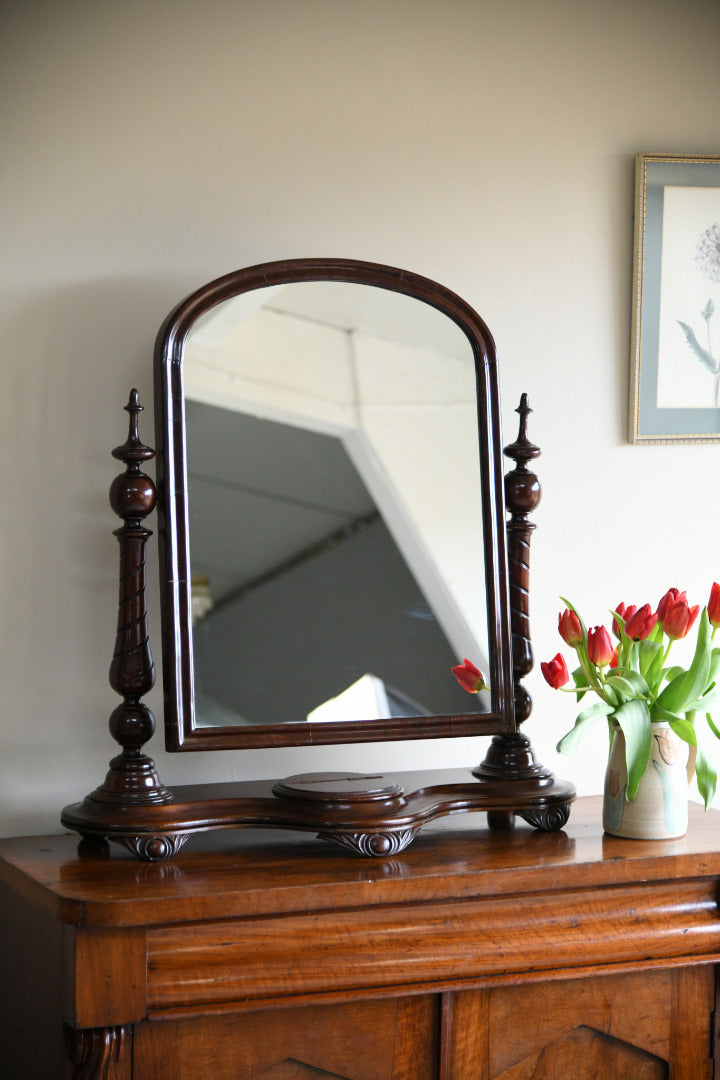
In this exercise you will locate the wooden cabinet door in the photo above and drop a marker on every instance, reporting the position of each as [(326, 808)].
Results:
[(645, 1026), (379, 1040)]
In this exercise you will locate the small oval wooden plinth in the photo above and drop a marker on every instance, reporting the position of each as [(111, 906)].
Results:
[(338, 788), (348, 799)]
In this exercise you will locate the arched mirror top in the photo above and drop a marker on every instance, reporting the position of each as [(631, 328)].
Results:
[(181, 320), (380, 552)]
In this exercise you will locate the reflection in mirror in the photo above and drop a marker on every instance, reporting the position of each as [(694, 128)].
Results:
[(334, 506)]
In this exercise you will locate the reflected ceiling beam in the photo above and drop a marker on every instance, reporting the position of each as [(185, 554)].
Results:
[(314, 551)]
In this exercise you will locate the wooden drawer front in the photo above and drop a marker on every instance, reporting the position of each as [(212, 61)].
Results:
[(382, 1040), (432, 945)]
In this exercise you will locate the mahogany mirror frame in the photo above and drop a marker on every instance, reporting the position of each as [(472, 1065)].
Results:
[(181, 733)]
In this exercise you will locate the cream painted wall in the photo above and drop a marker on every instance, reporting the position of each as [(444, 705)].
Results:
[(149, 146)]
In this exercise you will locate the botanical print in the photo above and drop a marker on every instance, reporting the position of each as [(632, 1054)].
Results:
[(689, 340)]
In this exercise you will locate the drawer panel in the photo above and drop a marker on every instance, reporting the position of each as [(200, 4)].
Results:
[(434, 945)]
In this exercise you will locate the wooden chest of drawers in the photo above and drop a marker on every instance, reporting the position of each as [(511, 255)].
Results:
[(474, 955)]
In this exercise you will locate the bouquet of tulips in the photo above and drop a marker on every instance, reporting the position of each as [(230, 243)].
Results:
[(634, 681)]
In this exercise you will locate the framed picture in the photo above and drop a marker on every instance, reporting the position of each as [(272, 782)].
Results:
[(675, 363)]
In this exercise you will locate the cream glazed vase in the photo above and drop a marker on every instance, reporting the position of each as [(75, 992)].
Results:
[(659, 811)]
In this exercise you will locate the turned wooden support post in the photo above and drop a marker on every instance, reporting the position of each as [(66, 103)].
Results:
[(132, 778), (510, 755), (522, 495)]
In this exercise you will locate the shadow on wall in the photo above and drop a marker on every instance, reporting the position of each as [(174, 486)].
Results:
[(70, 357)]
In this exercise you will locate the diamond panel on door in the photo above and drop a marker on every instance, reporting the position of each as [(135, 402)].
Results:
[(639, 1025), (295, 1070), (393, 1039), (583, 1054)]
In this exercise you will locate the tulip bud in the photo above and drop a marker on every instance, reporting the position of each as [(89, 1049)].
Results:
[(599, 646), (641, 624), (714, 604), (625, 613), (555, 671), (679, 618), (671, 597), (470, 677), (570, 627)]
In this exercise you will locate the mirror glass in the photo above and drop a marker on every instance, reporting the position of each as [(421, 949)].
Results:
[(332, 555), (333, 484)]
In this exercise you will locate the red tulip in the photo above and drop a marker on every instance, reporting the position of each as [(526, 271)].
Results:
[(556, 672), (641, 624), (679, 617), (599, 646), (714, 605), (625, 613), (570, 627), (470, 677), (671, 597), (614, 659)]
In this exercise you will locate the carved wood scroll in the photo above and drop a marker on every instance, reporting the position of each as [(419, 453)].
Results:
[(91, 1052)]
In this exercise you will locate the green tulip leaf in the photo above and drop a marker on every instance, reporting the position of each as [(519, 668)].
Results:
[(712, 726), (594, 712), (706, 776), (628, 682), (654, 673), (705, 771), (622, 687), (651, 654), (581, 683), (634, 720), (714, 665), (683, 728), (693, 682), (611, 695), (580, 678), (703, 703), (569, 742), (656, 715)]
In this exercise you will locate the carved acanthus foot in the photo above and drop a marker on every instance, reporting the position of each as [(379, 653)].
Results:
[(153, 848), (376, 844), (91, 1051), (548, 818)]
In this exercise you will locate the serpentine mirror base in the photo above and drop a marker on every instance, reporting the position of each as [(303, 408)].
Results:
[(368, 815)]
